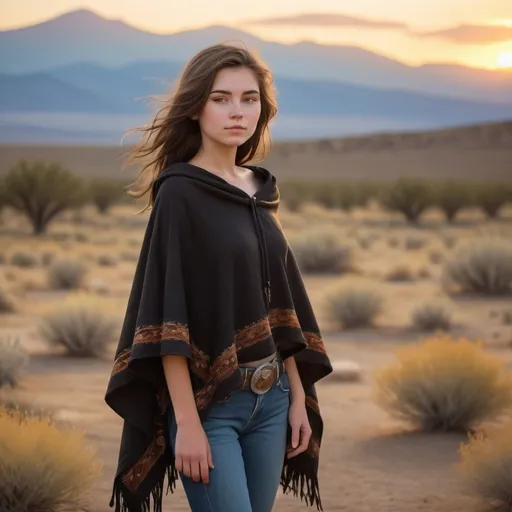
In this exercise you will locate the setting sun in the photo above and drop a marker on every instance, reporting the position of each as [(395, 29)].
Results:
[(505, 60)]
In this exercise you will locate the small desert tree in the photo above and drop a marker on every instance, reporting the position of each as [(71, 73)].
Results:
[(41, 191), (104, 193), (409, 197), (451, 197), (491, 197)]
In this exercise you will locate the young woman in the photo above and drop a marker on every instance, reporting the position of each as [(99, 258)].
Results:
[(220, 350)]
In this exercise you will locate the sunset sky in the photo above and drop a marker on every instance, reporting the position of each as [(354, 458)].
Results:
[(472, 32)]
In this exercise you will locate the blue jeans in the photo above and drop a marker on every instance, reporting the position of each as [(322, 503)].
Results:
[(247, 436)]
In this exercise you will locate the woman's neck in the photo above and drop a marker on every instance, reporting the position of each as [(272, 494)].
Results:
[(221, 161)]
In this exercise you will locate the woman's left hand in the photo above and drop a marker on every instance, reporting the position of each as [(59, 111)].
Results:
[(301, 430)]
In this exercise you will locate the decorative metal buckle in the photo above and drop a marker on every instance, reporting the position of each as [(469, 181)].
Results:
[(263, 378)]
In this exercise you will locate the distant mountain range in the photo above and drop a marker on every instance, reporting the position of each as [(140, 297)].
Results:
[(82, 63)]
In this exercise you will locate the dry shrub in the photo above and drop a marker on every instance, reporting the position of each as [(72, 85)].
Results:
[(83, 330), (107, 260), (43, 468), (131, 257), (400, 273), (414, 242), (424, 273), (48, 257), (82, 237), (393, 241), (444, 384), (507, 317), (449, 241), (13, 360), (67, 275), (352, 308), (24, 259), (321, 251), (486, 465), (436, 257), (7, 303), (431, 317), (483, 267)]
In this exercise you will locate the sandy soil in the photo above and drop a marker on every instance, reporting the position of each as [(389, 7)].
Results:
[(369, 462)]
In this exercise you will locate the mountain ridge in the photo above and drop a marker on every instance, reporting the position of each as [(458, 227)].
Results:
[(63, 40)]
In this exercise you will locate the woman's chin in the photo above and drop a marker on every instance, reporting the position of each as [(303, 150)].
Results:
[(233, 140)]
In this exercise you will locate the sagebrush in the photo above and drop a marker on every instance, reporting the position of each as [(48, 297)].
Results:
[(483, 267), (322, 251), (354, 307), (13, 360), (67, 275), (84, 331), (444, 384)]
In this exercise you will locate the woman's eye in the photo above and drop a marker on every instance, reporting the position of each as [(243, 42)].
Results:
[(251, 100), (218, 100)]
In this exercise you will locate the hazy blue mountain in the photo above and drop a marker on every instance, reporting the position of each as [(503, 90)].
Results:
[(42, 92), (82, 36), (92, 88)]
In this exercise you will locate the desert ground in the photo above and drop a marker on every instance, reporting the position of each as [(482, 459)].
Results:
[(369, 461)]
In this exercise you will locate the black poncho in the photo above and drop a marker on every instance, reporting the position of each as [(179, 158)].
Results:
[(216, 282)]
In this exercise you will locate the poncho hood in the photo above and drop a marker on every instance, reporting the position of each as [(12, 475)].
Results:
[(267, 196), (218, 283)]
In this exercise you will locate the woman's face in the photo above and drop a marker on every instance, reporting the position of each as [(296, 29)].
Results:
[(233, 108)]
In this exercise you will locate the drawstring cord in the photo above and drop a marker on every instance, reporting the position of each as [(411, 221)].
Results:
[(263, 252)]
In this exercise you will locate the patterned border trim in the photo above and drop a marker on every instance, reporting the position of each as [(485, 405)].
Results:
[(224, 366), (283, 318), (200, 363), (121, 362), (252, 334), (157, 333), (312, 404), (315, 342), (226, 363), (139, 471)]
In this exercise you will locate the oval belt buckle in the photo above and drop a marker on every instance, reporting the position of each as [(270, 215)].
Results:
[(262, 378)]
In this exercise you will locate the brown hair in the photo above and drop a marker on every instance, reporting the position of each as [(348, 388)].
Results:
[(173, 136)]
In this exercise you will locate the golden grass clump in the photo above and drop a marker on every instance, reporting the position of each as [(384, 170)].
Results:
[(486, 464), (444, 384), (43, 468)]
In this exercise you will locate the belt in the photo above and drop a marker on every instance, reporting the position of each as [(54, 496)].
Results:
[(261, 378)]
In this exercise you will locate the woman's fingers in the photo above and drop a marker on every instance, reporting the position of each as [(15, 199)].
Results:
[(195, 469), (305, 436), (179, 464)]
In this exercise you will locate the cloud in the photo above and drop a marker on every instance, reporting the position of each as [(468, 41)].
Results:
[(330, 20), (471, 34)]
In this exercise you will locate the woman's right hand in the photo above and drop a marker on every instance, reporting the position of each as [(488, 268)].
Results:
[(192, 452)]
